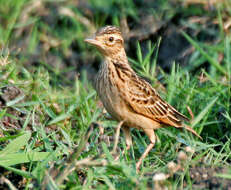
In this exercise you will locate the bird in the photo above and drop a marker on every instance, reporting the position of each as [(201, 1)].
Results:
[(127, 97)]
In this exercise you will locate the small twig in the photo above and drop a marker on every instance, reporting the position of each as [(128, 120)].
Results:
[(227, 25), (78, 164), (124, 27), (117, 136), (8, 182), (90, 162)]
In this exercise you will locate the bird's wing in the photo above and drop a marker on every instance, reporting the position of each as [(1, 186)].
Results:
[(144, 99)]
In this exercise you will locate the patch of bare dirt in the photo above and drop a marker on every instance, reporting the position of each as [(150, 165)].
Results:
[(205, 178), (10, 121)]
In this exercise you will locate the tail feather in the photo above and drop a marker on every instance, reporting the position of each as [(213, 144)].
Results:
[(177, 114), (192, 131)]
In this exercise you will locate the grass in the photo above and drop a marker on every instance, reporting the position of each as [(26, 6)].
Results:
[(54, 133)]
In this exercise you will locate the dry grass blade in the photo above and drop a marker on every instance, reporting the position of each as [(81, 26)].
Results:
[(80, 18), (90, 162), (190, 112), (4, 59), (8, 182)]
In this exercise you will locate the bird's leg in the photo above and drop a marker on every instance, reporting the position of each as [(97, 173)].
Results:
[(150, 133), (128, 139), (147, 150), (117, 136)]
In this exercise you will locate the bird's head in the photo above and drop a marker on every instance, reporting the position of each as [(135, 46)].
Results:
[(108, 40)]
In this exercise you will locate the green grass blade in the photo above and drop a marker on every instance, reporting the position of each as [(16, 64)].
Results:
[(154, 62), (226, 176), (68, 114), (205, 54), (172, 83), (107, 152), (18, 5), (203, 112), (27, 120), (16, 144), (47, 110), (139, 53), (2, 113), (148, 56), (25, 104), (2, 139), (59, 118), (227, 116), (11, 103), (108, 182), (18, 158), (19, 172)]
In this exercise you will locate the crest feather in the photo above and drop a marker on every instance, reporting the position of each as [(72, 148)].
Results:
[(108, 30)]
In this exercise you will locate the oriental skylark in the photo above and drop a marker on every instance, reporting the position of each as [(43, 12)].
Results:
[(128, 98)]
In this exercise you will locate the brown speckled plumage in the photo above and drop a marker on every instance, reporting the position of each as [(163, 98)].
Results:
[(126, 96)]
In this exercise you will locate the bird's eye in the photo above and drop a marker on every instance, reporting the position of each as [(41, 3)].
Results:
[(111, 39)]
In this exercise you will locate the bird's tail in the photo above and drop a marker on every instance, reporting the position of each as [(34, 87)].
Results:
[(192, 131)]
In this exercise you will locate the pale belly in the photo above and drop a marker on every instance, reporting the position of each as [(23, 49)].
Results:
[(119, 111), (112, 102), (118, 108)]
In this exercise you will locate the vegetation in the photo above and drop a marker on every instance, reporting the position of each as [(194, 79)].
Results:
[(54, 132)]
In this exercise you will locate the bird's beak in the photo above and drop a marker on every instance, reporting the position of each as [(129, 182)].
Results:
[(93, 41)]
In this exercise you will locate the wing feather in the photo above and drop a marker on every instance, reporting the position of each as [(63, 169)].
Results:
[(143, 99), (146, 101)]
